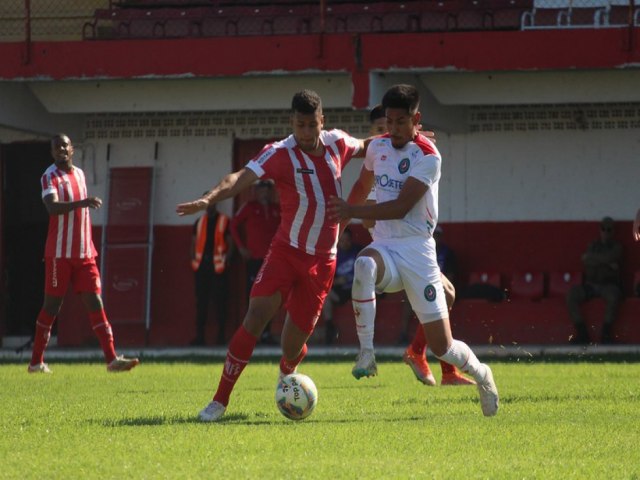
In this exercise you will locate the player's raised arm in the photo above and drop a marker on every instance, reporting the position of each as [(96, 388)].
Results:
[(229, 187)]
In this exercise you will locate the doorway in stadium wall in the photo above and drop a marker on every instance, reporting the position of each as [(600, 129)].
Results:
[(24, 222), (243, 151)]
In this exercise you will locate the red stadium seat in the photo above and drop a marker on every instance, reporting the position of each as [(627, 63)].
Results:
[(561, 282), (488, 278), (528, 285)]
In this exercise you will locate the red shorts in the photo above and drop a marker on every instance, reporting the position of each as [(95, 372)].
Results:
[(82, 273), (303, 280)]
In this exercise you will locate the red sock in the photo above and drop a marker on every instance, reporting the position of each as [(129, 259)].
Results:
[(288, 366), (240, 350), (102, 329), (419, 343), (447, 367), (44, 322)]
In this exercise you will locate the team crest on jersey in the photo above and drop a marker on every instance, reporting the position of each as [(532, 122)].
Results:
[(430, 293), (403, 166)]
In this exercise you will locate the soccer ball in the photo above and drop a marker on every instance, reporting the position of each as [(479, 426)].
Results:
[(296, 396)]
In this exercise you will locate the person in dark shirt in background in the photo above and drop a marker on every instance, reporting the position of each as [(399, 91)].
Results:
[(253, 228), (601, 263)]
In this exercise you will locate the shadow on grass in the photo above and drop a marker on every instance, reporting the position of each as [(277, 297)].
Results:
[(169, 420), (243, 419)]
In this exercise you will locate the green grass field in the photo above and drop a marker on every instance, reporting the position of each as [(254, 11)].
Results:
[(557, 420)]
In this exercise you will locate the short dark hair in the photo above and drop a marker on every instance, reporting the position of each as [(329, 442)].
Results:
[(306, 101), (402, 96), (376, 113), (59, 137)]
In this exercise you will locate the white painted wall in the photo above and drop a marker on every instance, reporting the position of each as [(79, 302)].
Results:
[(553, 175), (185, 168), (516, 176)]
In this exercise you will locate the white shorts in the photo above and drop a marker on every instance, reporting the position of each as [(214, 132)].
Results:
[(411, 265)]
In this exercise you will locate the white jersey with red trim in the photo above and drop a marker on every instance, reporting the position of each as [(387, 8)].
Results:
[(392, 167), (305, 183), (69, 234)]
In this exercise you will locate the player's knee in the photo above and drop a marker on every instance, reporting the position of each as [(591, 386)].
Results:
[(365, 269), (439, 347), (52, 305)]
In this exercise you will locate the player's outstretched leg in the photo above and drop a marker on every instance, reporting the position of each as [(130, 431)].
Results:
[(460, 355), (363, 298), (240, 350)]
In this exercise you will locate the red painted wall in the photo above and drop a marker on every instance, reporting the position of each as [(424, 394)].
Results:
[(354, 54), (501, 247)]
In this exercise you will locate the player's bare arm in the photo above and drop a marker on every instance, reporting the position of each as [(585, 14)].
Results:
[(362, 187), (412, 191), (359, 192), (57, 207), (229, 187)]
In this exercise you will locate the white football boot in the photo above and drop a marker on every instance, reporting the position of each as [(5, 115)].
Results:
[(122, 364), (212, 412), (365, 364), (488, 394), (39, 368)]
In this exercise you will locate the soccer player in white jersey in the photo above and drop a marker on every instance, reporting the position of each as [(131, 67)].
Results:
[(405, 167), (415, 354), (298, 270), (70, 257)]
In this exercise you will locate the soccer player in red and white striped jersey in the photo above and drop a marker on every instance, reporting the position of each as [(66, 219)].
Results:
[(298, 270), (70, 256)]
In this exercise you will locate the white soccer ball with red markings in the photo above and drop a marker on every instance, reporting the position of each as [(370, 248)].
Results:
[(296, 396)]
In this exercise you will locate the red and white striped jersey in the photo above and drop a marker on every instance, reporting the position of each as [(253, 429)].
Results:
[(69, 234), (304, 184)]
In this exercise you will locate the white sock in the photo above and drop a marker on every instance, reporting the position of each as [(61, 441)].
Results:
[(363, 295), (463, 357)]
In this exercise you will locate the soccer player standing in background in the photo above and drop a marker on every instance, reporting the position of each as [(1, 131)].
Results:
[(298, 270), (406, 169), (70, 256)]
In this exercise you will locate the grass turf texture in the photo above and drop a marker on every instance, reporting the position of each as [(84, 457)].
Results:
[(557, 420)]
